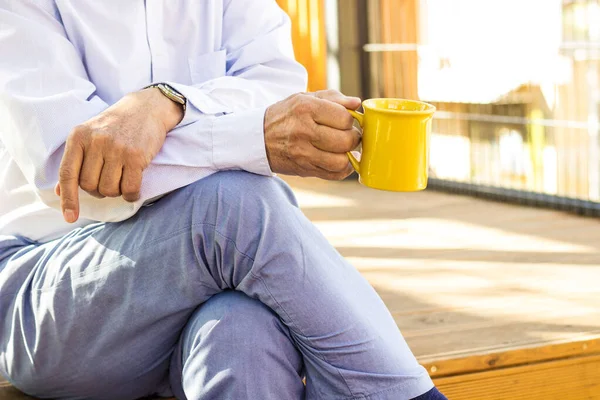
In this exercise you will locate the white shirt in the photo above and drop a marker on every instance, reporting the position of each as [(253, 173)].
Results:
[(64, 61)]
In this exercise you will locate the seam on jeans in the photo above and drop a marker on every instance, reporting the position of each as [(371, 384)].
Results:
[(184, 230), (301, 333), (234, 246), (168, 236)]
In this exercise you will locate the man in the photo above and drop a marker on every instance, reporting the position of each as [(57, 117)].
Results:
[(119, 115)]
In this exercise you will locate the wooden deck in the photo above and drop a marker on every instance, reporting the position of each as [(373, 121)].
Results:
[(497, 301), (490, 297)]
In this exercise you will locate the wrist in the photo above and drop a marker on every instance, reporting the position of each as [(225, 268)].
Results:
[(166, 111)]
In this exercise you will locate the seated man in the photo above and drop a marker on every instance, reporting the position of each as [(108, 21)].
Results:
[(129, 265)]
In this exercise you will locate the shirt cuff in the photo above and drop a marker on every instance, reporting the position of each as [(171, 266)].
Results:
[(202, 103), (239, 142)]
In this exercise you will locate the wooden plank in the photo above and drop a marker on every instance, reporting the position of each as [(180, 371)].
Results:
[(449, 322), (511, 357), (482, 340), (570, 379), (398, 24), (350, 49)]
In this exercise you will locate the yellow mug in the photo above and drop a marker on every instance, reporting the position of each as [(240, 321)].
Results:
[(395, 144)]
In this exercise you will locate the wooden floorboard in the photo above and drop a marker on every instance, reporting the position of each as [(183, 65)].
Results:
[(554, 380)]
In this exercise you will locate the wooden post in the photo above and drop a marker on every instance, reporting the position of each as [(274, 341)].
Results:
[(352, 29), (399, 24)]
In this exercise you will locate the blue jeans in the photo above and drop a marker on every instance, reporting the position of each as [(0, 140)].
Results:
[(122, 310)]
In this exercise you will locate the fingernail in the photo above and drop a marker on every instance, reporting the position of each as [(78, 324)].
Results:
[(69, 215)]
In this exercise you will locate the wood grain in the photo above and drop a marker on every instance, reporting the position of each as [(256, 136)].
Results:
[(453, 365), (571, 379)]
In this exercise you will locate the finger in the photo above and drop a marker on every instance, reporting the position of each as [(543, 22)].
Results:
[(335, 96), (307, 170), (68, 179), (332, 162), (332, 114), (89, 178), (131, 183), (335, 140), (334, 176), (110, 179)]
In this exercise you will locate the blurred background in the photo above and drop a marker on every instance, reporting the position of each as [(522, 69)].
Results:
[(516, 84)]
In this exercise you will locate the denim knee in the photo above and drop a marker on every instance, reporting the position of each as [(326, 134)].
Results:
[(244, 188)]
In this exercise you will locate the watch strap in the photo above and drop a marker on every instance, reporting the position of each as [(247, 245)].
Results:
[(170, 93)]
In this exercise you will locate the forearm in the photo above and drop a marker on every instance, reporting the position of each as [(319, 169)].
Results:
[(189, 153)]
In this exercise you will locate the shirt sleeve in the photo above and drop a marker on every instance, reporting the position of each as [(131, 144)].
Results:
[(261, 70), (45, 92)]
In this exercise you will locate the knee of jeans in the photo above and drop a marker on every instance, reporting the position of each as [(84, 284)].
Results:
[(236, 186), (235, 322)]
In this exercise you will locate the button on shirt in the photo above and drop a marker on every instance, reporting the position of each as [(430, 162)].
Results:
[(64, 61)]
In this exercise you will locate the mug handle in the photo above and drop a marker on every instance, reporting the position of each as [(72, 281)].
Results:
[(359, 117)]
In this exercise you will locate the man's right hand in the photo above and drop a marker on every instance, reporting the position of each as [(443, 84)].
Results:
[(107, 154), (308, 134)]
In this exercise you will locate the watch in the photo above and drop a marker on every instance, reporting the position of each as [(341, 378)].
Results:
[(170, 93)]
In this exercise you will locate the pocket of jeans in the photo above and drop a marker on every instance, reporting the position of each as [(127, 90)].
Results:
[(208, 66)]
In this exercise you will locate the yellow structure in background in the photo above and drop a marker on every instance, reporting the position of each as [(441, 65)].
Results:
[(308, 35)]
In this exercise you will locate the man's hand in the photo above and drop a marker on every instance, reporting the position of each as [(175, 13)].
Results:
[(107, 154), (309, 134)]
